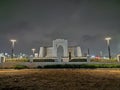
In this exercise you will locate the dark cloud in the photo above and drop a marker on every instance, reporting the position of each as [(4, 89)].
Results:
[(88, 38), (37, 22)]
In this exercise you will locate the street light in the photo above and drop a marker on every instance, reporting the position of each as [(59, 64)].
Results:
[(108, 44), (13, 44), (33, 50)]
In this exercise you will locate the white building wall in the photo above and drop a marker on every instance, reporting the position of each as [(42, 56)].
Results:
[(60, 42), (49, 52), (52, 51), (79, 53), (41, 52)]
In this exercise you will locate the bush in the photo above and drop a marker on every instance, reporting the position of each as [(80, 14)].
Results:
[(17, 60), (83, 66), (78, 60), (39, 66), (21, 67), (43, 60), (104, 60), (53, 66), (64, 66)]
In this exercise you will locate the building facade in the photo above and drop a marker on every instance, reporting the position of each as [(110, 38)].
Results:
[(60, 50)]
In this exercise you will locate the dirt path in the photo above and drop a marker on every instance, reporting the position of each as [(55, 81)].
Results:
[(60, 79)]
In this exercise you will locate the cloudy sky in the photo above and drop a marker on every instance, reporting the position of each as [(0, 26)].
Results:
[(36, 23)]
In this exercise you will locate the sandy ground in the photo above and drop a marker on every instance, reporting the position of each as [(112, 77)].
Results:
[(60, 79)]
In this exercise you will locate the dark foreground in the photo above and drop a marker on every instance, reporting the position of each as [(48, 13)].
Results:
[(60, 79)]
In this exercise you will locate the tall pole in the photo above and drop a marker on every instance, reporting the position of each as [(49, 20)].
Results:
[(69, 56), (101, 54), (13, 44), (108, 45), (109, 51), (88, 51), (33, 50)]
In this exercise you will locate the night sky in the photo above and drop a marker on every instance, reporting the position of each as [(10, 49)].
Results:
[(36, 23)]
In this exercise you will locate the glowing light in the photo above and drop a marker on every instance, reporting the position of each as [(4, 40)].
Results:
[(13, 40), (108, 38), (33, 50), (13, 44), (108, 44)]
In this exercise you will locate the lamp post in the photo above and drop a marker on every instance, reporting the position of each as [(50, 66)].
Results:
[(33, 50), (88, 52), (13, 45), (108, 45)]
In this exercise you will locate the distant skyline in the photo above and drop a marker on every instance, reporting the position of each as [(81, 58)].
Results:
[(35, 23)]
